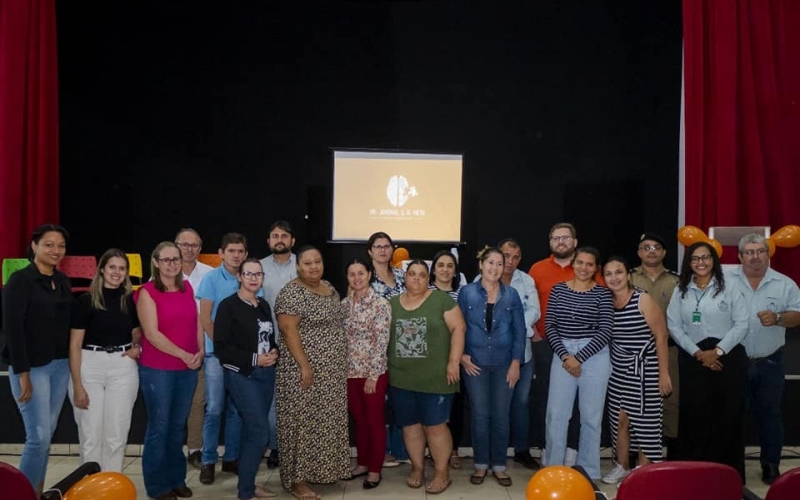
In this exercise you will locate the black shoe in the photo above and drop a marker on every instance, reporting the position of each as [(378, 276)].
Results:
[(525, 458), (207, 474), (166, 496), (368, 485), (273, 460), (182, 492), (195, 459), (232, 467), (769, 473)]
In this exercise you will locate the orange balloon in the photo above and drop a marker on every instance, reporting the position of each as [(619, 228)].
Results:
[(771, 244), (102, 486), (400, 254), (559, 483), (787, 236), (717, 246), (688, 235)]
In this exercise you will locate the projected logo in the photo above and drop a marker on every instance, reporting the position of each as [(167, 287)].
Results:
[(399, 191)]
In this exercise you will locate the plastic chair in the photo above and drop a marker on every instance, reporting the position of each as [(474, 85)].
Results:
[(10, 266), (785, 487), (78, 267), (210, 259), (135, 270), (681, 480), (15, 484)]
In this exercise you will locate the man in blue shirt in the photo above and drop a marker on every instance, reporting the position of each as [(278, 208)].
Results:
[(217, 285), (773, 303)]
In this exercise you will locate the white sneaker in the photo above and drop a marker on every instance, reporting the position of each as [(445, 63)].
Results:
[(570, 457), (617, 474)]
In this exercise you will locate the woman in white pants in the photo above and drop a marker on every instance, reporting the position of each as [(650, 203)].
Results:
[(104, 347)]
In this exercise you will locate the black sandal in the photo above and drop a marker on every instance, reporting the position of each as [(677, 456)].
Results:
[(476, 479)]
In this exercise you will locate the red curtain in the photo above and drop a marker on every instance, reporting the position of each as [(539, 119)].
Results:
[(742, 116), (28, 121)]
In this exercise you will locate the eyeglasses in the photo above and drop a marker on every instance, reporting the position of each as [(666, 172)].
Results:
[(698, 258), (193, 246), (173, 261), (381, 247), (253, 276), (759, 252), (651, 248), (561, 239)]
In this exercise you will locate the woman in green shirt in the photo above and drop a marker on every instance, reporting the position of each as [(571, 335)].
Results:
[(425, 347)]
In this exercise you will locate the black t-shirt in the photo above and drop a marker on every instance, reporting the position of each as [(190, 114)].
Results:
[(109, 327)]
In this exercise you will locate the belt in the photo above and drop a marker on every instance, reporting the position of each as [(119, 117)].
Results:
[(108, 349), (762, 358)]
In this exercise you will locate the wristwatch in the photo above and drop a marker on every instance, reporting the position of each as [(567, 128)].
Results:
[(719, 351), (778, 318)]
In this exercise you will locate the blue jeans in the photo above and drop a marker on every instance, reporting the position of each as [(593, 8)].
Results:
[(766, 378), (490, 405), (167, 398), (520, 409), (395, 446), (40, 414), (591, 388), (252, 395), (272, 444), (215, 401)]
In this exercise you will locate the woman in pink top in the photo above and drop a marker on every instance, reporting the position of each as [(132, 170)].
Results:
[(367, 328), (172, 351)]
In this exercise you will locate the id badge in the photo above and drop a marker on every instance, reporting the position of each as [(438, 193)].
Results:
[(696, 318)]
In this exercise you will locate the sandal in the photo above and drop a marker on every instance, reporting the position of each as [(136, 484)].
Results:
[(435, 491), (308, 494), (415, 482), (455, 461), (503, 481), (478, 478)]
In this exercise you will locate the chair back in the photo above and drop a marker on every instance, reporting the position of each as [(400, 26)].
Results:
[(79, 268), (15, 484), (10, 266), (785, 487), (135, 270), (681, 480), (210, 259)]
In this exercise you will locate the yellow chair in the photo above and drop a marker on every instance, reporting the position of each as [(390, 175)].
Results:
[(10, 266), (135, 270)]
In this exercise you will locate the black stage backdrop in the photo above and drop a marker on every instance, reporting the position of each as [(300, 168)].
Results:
[(220, 116)]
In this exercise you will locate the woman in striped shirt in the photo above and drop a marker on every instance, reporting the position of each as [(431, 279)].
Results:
[(579, 320)]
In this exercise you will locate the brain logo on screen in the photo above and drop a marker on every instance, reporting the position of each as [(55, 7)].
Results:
[(399, 191)]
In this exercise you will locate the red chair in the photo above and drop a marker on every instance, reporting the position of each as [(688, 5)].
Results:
[(786, 487), (15, 484), (78, 268), (682, 480)]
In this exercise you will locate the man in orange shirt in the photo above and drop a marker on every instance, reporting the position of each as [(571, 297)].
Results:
[(546, 274)]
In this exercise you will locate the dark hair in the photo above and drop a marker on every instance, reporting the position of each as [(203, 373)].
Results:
[(249, 260), (99, 281), (418, 262), (155, 273), (371, 241), (686, 269), (232, 239), (456, 281), (508, 241), (305, 248), (621, 260), (359, 261), (591, 251), (40, 231), (282, 225)]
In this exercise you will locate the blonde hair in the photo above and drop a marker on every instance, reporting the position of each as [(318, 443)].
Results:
[(99, 281), (156, 274)]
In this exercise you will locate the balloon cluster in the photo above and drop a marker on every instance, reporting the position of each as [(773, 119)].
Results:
[(102, 486), (400, 254), (785, 237), (559, 482)]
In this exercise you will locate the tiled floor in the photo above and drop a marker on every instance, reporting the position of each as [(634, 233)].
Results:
[(392, 488)]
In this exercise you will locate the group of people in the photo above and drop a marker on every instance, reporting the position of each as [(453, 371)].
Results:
[(273, 346)]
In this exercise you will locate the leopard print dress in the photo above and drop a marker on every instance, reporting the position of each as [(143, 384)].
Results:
[(312, 423)]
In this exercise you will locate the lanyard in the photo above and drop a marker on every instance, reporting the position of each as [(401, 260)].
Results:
[(698, 299)]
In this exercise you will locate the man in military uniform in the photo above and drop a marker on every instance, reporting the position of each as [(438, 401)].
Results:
[(652, 277)]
